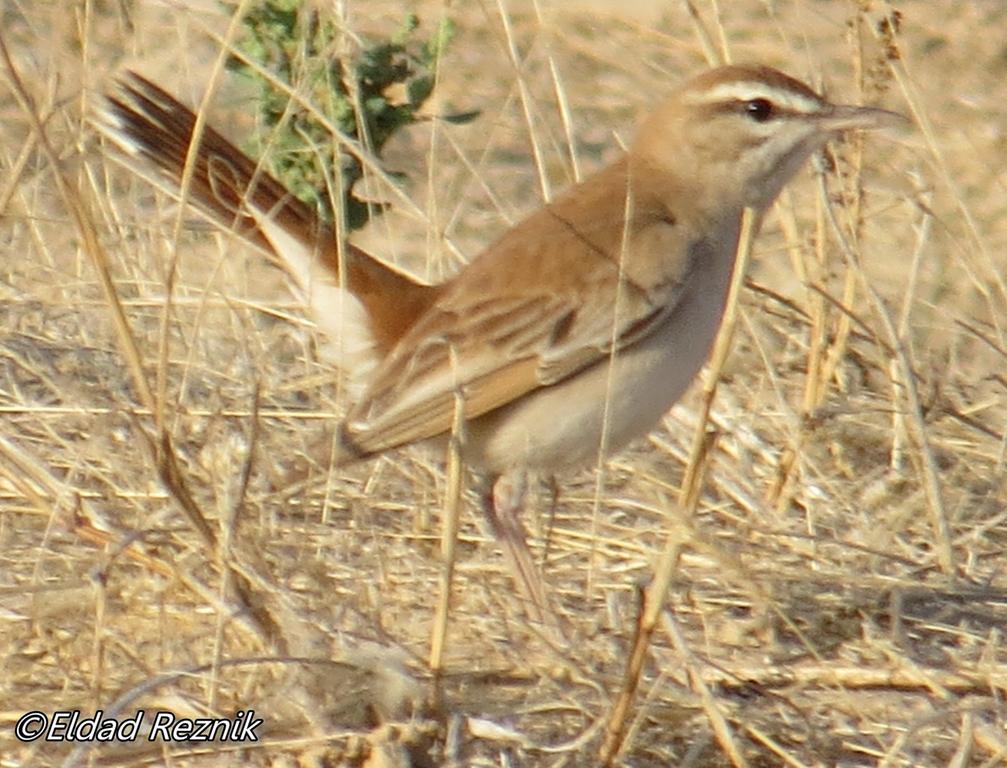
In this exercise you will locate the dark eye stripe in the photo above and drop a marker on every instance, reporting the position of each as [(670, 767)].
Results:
[(760, 110)]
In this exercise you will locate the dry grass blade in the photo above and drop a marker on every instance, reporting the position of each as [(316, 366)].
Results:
[(692, 484), (887, 33), (85, 226), (185, 182), (449, 540), (712, 56), (714, 712), (907, 382), (371, 163), (162, 450), (851, 648), (526, 101)]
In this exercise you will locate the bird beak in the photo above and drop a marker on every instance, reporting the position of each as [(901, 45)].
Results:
[(846, 117)]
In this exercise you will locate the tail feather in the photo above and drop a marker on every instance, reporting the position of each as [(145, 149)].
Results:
[(366, 310), (146, 120)]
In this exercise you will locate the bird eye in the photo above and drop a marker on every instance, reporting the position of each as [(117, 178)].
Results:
[(760, 110)]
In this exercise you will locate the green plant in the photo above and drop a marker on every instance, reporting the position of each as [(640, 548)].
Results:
[(297, 44)]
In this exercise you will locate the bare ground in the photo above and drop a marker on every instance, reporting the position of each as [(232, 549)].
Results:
[(841, 595)]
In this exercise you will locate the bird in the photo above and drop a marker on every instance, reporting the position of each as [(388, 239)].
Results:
[(575, 330)]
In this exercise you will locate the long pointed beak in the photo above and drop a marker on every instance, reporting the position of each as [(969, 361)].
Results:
[(846, 117)]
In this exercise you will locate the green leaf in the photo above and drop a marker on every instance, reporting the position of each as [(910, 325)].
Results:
[(293, 39), (435, 47), (461, 118), (419, 90)]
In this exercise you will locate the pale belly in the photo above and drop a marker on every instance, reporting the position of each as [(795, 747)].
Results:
[(565, 425)]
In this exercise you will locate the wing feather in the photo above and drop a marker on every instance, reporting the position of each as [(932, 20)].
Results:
[(413, 397), (570, 295)]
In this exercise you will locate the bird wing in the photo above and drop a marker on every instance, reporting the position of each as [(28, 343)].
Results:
[(561, 291), (490, 351)]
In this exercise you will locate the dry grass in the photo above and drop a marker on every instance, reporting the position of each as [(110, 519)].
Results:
[(841, 596)]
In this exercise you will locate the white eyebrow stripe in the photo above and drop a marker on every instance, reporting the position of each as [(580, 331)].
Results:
[(743, 90)]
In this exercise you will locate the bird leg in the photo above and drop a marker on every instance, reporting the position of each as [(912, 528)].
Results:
[(502, 501)]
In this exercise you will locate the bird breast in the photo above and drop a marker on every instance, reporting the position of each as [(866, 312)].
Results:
[(608, 405)]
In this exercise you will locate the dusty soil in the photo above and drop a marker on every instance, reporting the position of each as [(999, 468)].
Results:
[(840, 599)]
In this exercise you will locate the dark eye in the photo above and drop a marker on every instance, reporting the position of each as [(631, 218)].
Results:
[(760, 110)]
